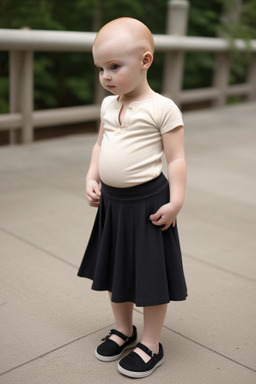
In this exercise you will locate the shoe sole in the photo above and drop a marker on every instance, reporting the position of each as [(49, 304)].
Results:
[(138, 375), (115, 357)]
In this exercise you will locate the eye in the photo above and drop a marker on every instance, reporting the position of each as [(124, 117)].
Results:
[(114, 67), (100, 69)]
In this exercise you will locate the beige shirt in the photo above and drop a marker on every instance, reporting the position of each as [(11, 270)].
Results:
[(131, 153)]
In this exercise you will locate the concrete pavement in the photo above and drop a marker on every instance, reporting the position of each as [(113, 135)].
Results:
[(51, 321)]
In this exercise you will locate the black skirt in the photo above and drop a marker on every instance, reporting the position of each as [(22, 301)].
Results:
[(128, 255)]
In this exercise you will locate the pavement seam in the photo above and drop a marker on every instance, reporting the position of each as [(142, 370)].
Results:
[(37, 247), (44, 183), (210, 349), (55, 186), (74, 266), (52, 351), (185, 255), (218, 267), (109, 326)]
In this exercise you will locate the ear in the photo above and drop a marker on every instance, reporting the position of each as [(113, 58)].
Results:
[(147, 60)]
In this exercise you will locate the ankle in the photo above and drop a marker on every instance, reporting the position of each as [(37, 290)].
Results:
[(127, 331), (153, 346)]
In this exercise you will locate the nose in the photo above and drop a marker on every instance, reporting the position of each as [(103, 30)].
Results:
[(106, 75)]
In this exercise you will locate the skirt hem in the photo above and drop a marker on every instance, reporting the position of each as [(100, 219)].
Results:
[(128, 255), (136, 302)]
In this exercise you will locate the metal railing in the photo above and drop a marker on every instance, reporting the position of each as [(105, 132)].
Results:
[(22, 44)]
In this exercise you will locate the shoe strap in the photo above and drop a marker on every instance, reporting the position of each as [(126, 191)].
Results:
[(145, 349), (115, 332)]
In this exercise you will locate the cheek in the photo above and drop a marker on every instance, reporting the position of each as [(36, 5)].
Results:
[(125, 79), (120, 79), (101, 79)]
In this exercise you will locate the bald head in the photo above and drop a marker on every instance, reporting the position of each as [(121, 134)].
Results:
[(126, 30)]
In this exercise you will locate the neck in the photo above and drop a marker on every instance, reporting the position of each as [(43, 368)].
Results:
[(145, 93)]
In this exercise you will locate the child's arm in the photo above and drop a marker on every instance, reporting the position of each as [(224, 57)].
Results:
[(92, 179), (173, 142)]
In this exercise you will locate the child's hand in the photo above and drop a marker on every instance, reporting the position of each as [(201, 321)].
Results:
[(93, 193), (165, 216)]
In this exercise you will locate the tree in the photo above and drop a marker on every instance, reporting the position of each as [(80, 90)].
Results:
[(63, 79)]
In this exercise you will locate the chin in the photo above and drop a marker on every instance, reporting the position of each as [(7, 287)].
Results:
[(113, 91)]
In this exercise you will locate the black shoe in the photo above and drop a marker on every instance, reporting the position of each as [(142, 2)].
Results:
[(133, 365), (110, 350)]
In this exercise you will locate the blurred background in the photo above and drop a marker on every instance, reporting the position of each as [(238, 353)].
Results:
[(62, 79)]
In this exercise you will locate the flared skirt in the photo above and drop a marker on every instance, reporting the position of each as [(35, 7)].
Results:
[(128, 255)]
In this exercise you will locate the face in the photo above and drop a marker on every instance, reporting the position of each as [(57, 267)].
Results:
[(120, 67)]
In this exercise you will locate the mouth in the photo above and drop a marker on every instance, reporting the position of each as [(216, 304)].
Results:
[(110, 86)]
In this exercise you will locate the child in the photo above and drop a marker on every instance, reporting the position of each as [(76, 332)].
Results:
[(134, 251)]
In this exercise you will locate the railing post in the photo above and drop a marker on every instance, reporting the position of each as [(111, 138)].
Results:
[(21, 93), (251, 78), (177, 17), (27, 99), (15, 60), (221, 77)]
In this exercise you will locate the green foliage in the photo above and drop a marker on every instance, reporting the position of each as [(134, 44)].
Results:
[(4, 82), (198, 70), (238, 22), (152, 12), (28, 13), (63, 79), (204, 17), (45, 81), (4, 87)]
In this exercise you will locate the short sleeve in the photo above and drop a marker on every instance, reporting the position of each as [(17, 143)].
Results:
[(103, 108), (105, 103), (171, 116)]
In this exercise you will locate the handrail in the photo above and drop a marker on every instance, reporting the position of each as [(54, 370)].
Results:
[(200, 44), (22, 44), (37, 40)]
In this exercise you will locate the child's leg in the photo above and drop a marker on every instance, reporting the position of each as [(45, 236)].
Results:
[(123, 317), (153, 323)]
